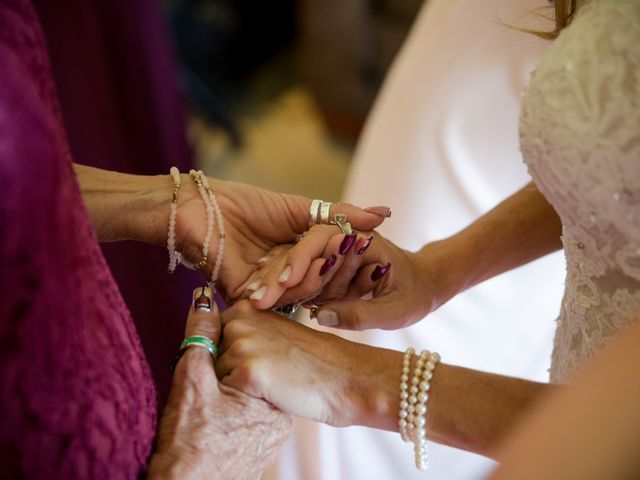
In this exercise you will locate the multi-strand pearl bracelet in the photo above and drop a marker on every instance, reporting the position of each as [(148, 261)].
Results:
[(414, 395), (212, 208)]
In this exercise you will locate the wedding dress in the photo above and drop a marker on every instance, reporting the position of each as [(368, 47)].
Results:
[(580, 137)]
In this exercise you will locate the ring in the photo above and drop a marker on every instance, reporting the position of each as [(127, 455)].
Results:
[(314, 212), (324, 212), (340, 219), (199, 341), (287, 310)]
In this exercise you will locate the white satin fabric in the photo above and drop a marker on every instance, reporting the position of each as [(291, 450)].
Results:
[(441, 148)]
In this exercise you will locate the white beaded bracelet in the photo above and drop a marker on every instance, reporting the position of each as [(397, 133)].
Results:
[(413, 402), (171, 237)]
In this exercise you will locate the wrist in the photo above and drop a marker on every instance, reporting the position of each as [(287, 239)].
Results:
[(374, 394), (437, 268)]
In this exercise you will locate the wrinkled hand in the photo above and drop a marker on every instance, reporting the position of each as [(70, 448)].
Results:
[(302, 371), (209, 430), (256, 220)]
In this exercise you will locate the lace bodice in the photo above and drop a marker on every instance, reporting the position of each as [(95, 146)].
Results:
[(580, 137)]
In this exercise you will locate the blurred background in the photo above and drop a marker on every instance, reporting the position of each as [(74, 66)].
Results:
[(278, 91)]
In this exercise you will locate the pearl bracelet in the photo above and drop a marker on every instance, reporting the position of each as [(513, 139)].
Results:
[(413, 402)]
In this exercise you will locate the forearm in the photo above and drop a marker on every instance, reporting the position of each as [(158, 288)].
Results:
[(467, 409), (124, 206), (520, 229)]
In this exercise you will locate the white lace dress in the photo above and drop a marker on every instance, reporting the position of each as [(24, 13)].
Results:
[(580, 138)]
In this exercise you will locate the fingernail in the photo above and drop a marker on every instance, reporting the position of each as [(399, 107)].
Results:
[(313, 312), (254, 285), (202, 299), (347, 243), (258, 294), (380, 271), (364, 247), (328, 263), (382, 211), (328, 318), (286, 273), (264, 259)]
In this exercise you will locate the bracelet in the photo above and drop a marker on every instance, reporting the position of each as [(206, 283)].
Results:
[(413, 402), (171, 237), (213, 210)]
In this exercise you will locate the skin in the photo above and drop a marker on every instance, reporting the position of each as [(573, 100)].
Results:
[(136, 207), (326, 378), (588, 431), (520, 229), (208, 429)]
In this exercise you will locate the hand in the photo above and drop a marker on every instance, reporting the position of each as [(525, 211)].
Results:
[(209, 429), (392, 289), (330, 256), (305, 372), (256, 220)]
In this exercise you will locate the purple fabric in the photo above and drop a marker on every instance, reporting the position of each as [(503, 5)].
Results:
[(76, 394), (118, 86)]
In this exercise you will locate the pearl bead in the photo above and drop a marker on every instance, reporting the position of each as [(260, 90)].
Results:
[(412, 399), (420, 421), (404, 386), (431, 365), (404, 377), (427, 375), (404, 404), (402, 423), (415, 380), (411, 409), (403, 414), (424, 386), (404, 395), (413, 389), (421, 408)]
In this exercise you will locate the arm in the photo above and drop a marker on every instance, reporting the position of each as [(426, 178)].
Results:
[(323, 377), (137, 207), (588, 431)]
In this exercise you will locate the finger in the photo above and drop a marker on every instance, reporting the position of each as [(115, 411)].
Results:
[(361, 219), (311, 246), (204, 317), (338, 287), (273, 288), (355, 314)]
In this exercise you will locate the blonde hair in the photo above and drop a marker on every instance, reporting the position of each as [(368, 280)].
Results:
[(564, 10)]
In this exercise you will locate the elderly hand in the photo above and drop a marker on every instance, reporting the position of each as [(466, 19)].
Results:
[(305, 372), (256, 220), (209, 430)]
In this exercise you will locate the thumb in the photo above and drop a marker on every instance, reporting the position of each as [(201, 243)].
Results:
[(204, 317), (351, 314)]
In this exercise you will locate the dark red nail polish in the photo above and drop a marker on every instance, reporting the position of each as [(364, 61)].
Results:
[(347, 243), (364, 247), (328, 263), (380, 271)]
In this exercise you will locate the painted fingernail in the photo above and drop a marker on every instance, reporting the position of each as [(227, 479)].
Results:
[(364, 247), (382, 211), (328, 263), (202, 299), (258, 294), (328, 318), (264, 259), (347, 243), (254, 285), (313, 312), (380, 271), (286, 273)]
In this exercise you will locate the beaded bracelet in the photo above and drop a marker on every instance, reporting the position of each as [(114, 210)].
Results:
[(413, 402), (212, 208), (171, 237)]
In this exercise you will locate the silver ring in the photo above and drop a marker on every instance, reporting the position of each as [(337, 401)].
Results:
[(314, 213), (324, 212), (340, 219)]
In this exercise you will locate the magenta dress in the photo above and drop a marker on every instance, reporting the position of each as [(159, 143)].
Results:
[(76, 394)]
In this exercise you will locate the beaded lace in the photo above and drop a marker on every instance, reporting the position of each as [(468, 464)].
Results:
[(580, 137)]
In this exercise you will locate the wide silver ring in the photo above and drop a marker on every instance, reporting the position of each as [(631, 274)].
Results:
[(324, 212), (314, 212)]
